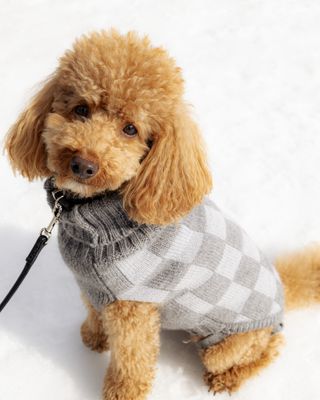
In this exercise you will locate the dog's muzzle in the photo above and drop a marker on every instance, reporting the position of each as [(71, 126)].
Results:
[(82, 168)]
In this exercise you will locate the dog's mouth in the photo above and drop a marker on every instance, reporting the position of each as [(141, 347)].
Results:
[(77, 187)]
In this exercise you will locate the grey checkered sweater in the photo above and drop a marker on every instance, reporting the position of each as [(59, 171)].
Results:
[(204, 272)]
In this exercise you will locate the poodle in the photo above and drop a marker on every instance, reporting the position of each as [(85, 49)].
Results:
[(149, 249)]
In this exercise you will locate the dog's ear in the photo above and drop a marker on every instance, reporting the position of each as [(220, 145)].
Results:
[(24, 143), (173, 177)]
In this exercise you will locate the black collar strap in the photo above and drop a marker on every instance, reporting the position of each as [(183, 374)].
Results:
[(69, 199)]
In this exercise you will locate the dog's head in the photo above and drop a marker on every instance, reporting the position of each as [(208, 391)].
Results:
[(112, 117)]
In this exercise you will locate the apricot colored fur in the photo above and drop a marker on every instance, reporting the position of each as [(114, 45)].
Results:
[(93, 331), (123, 79), (300, 274), (134, 336), (230, 363), (161, 173)]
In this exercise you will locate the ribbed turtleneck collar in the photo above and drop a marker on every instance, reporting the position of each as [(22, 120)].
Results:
[(101, 220)]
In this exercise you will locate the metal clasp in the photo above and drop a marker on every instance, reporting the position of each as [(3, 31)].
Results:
[(57, 210)]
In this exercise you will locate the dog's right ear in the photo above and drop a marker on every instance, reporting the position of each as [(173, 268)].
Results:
[(24, 142)]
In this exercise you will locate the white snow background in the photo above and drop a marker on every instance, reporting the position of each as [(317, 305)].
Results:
[(252, 71)]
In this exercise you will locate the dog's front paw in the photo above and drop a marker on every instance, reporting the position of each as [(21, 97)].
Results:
[(116, 388), (95, 340)]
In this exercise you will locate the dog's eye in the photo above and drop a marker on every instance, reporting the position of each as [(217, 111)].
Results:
[(82, 110), (130, 130)]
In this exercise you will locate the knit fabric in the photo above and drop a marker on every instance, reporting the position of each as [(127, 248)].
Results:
[(205, 273)]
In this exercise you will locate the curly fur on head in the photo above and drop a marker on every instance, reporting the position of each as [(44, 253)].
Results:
[(123, 80)]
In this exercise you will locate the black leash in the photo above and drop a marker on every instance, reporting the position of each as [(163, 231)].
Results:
[(42, 240)]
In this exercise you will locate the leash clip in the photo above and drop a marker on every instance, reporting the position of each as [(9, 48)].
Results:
[(57, 210), (42, 240)]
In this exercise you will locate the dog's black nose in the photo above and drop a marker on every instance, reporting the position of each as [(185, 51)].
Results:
[(82, 168)]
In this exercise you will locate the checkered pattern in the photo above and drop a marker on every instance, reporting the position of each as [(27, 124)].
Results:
[(205, 272), (210, 270)]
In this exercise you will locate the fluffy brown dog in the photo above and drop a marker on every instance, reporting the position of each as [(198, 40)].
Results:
[(112, 117)]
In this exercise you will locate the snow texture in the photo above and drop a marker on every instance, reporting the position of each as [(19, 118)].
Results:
[(252, 71)]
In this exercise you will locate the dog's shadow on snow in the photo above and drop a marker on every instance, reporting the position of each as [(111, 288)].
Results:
[(46, 314)]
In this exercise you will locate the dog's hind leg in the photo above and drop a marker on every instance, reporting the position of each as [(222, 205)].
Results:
[(231, 362), (93, 331)]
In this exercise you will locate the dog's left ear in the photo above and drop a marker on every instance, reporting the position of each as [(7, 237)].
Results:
[(174, 176)]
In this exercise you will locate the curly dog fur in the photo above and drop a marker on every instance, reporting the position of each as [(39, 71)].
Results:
[(161, 173)]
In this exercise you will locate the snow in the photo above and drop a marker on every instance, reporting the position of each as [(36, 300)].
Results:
[(252, 71)]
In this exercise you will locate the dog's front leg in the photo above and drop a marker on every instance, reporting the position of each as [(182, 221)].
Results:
[(133, 332), (92, 331)]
